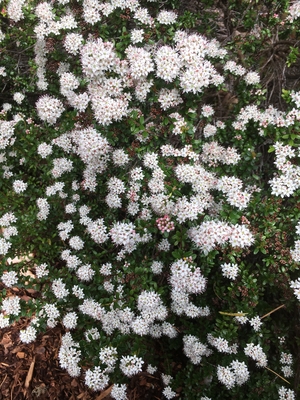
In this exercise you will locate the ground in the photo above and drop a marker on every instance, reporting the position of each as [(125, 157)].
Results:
[(32, 371)]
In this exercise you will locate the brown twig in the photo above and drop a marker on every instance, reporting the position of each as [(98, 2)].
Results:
[(279, 376), (275, 309)]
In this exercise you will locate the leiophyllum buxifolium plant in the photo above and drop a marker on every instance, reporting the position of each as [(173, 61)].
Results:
[(160, 236)]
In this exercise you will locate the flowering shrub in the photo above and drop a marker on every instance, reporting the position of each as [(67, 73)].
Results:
[(154, 189)]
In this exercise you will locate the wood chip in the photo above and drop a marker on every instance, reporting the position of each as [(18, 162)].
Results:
[(29, 374), (20, 354), (105, 393), (81, 396)]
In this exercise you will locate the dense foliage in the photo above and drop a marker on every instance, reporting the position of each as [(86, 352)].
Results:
[(150, 188)]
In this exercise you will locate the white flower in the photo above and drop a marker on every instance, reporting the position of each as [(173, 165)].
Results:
[(41, 270), (230, 270), (44, 150), (255, 323), (28, 335), (76, 243), (59, 288), (166, 17), (168, 392), (286, 394), (4, 321), (19, 186), (49, 109), (287, 371), (92, 334), (137, 35), (118, 392), (252, 78), (286, 358), (18, 97), (257, 354), (131, 365), (9, 278), (70, 320), (11, 305), (151, 370)]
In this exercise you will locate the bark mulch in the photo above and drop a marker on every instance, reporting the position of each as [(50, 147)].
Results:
[(31, 371)]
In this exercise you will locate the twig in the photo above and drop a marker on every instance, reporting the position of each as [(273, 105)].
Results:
[(279, 376), (275, 309), (3, 381)]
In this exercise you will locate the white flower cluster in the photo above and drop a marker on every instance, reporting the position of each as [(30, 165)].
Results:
[(4, 321), (94, 150), (185, 277), (194, 349), (41, 270), (286, 361), (7, 134), (73, 43), (10, 278), (288, 181), (212, 233), (231, 187), (7, 230), (96, 379), (235, 374), (295, 96), (168, 392), (44, 150), (230, 270), (52, 314), (92, 334), (252, 78), (234, 68), (4, 246), (14, 10), (123, 234), (257, 354), (151, 308), (18, 97), (118, 392), (295, 253), (131, 365), (19, 186), (213, 154), (137, 35), (60, 166), (166, 17), (49, 109), (69, 355), (169, 98), (294, 11), (70, 320), (286, 394), (98, 230), (256, 323), (28, 335), (59, 288), (11, 305), (44, 209), (222, 344)]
